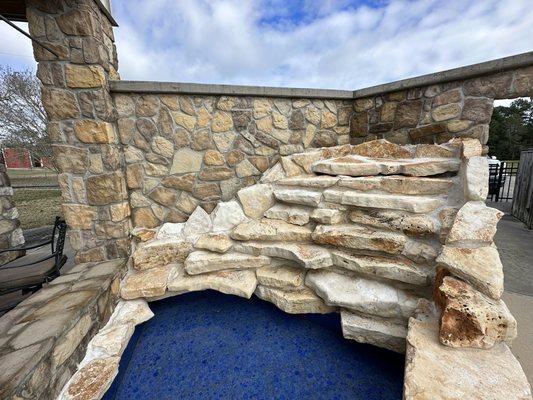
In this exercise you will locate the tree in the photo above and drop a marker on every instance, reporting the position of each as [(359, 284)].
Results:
[(22, 116), (511, 129)]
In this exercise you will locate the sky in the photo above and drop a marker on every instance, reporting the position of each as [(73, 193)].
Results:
[(334, 44)]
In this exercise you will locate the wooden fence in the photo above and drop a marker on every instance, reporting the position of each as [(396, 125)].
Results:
[(523, 190)]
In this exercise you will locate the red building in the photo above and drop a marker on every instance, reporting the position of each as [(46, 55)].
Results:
[(17, 158)]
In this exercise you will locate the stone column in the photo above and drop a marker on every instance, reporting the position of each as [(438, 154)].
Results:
[(10, 231), (81, 122)]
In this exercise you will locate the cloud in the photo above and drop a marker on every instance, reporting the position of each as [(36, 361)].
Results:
[(306, 43)]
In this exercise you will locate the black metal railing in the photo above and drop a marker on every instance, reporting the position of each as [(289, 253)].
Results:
[(502, 178)]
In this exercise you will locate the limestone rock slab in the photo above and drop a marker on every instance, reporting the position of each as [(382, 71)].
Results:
[(294, 302), (171, 230), (131, 312), (381, 332), (437, 372), (307, 255), (199, 222), (158, 253), (471, 319), (328, 216), (238, 283), (476, 178), (149, 283), (216, 242), (92, 380), (310, 181), (292, 214), (399, 184), (256, 199), (305, 197), (360, 238), (226, 215), (271, 230), (200, 262), (481, 267), (360, 294), (410, 224), (413, 204), (474, 223), (281, 276), (389, 268)]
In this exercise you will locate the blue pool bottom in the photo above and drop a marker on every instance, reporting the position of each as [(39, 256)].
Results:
[(207, 345)]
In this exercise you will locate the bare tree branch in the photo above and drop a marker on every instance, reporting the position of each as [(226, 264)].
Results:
[(22, 116)]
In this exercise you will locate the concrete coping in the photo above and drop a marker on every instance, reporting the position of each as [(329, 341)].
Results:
[(469, 71)]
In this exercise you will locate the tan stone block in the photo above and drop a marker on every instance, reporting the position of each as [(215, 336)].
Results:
[(134, 175), (171, 101), (186, 160), (203, 118), (262, 108), (216, 173), (119, 211), (213, 157), (264, 124), (144, 217), (458, 125), (91, 131), (451, 96), (182, 182), (184, 120), (363, 104), (164, 196), (279, 120), (79, 216), (387, 111), (162, 146), (71, 159), (329, 120), (471, 319), (445, 112), (160, 253), (105, 189), (60, 104), (221, 122), (83, 77)]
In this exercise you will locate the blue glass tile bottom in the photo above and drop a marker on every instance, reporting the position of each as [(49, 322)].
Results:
[(207, 345)]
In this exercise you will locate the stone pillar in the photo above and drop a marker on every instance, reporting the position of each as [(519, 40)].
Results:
[(10, 231), (81, 122)]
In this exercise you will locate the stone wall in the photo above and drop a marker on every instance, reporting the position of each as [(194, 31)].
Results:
[(438, 112), (10, 231), (377, 232), (182, 151), (45, 337), (81, 122)]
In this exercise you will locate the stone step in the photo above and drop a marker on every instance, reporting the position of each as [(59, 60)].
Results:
[(239, 283), (414, 204), (388, 268), (271, 230), (410, 224), (294, 302), (399, 184), (305, 255), (281, 276), (296, 215), (353, 165), (440, 372), (304, 197), (359, 238), (200, 262), (310, 181), (377, 331), (360, 294)]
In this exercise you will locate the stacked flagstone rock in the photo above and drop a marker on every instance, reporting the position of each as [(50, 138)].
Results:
[(354, 229)]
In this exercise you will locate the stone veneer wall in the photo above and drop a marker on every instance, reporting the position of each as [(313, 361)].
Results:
[(182, 151), (436, 113), (45, 337), (10, 231), (81, 122)]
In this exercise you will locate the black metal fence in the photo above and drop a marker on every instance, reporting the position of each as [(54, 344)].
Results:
[(502, 178)]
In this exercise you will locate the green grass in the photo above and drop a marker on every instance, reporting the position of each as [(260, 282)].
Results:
[(37, 207), (32, 177)]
